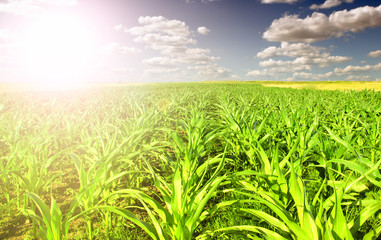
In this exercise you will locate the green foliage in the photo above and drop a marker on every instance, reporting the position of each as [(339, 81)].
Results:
[(192, 161)]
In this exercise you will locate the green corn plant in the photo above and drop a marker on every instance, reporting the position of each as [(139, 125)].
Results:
[(53, 225), (14, 150), (305, 225), (305, 155), (50, 220), (99, 175), (322, 219), (94, 187), (185, 205), (189, 190), (37, 177), (242, 129)]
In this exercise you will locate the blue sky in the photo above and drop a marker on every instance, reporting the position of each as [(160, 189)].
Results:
[(190, 40)]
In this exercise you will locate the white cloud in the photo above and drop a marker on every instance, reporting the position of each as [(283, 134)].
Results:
[(375, 54), (284, 66), (176, 42), (354, 73), (162, 62), (291, 50), (116, 48), (305, 56), (307, 76), (203, 30), (290, 28), (162, 25), (318, 26), (299, 64), (358, 78), (212, 71), (118, 27), (165, 43), (32, 7), (198, 56), (160, 70), (355, 69), (167, 36), (255, 73), (357, 19), (258, 73), (329, 4), (278, 1), (322, 61)]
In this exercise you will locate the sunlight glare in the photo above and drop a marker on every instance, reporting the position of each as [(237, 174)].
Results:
[(58, 51)]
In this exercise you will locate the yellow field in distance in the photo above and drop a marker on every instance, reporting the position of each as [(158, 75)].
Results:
[(324, 85), (342, 85)]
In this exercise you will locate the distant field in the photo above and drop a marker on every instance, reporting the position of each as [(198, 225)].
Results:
[(25, 86), (326, 85), (22, 87)]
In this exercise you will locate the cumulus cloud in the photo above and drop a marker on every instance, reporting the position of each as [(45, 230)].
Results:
[(307, 76), (318, 26), (356, 69), (160, 62), (167, 36), (118, 27), (268, 74), (160, 70), (284, 66), (291, 50), (329, 4), (375, 54), (353, 73), (278, 1), (305, 56), (160, 24), (258, 73), (116, 48), (300, 64), (291, 28), (198, 56), (323, 61), (212, 71), (32, 7), (176, 42), (358, 78), (203, 30)]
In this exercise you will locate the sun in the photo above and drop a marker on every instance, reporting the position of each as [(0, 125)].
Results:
[(58, 50)]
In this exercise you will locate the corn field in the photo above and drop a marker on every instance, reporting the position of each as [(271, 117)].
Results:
[(190, 161)]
